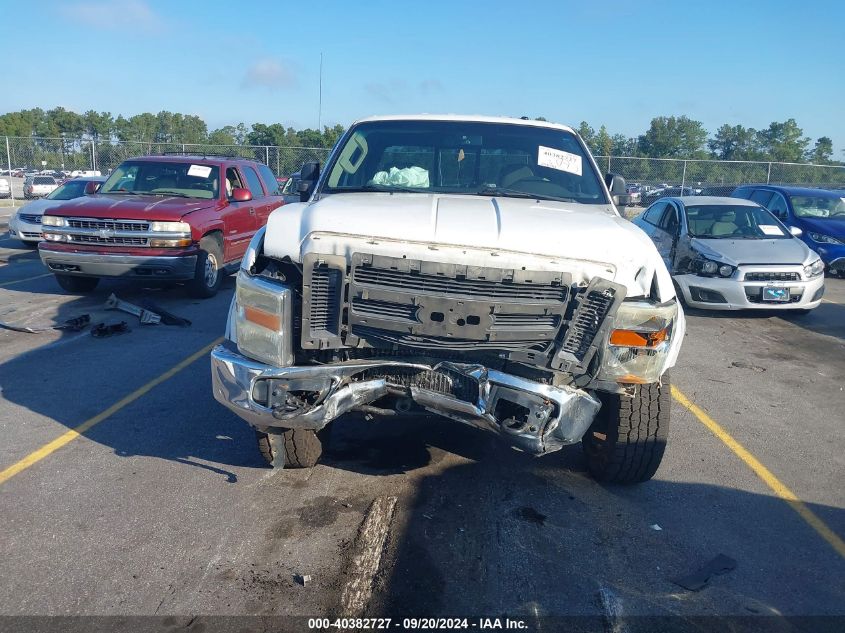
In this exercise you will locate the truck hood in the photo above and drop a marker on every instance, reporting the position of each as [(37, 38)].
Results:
[(118, 207), (586, 240), (737, 252)]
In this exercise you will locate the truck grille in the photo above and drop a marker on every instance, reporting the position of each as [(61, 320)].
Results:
[(771, 276), (442, 382), (113, 225), (120, 241), (585, 324), (325, 289)]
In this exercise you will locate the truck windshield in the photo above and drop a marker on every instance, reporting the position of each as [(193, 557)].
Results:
[(464, 157), (164, 178)]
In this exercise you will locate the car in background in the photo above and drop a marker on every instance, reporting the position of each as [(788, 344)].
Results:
[(732, 254), (665, 192), (635, 191), (290, 191), (25, 223), (37, 186), (161, 218), (5, 188), (819, 213)]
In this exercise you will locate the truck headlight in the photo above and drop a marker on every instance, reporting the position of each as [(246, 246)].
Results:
[(53, 220), (263, 320), (814, 270), (639, 343), (170, 227)]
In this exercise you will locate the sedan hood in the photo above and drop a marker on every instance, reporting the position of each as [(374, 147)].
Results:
[(835, 227), (122, 207), (587, 240), (38, 207), (738, 252)]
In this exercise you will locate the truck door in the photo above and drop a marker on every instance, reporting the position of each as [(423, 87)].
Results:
[(238, 218), (263, 202)]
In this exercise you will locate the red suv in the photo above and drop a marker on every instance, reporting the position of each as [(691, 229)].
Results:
[(184, 218)]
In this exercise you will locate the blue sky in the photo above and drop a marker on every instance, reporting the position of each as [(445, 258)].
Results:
[(617, 62)]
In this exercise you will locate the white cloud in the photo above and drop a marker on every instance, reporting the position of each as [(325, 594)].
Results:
[(115, 14), (387, 92), (269, 73)]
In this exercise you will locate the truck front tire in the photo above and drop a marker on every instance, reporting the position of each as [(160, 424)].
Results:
[(209, 272), (77, 285), (626, 442), (289, 448)]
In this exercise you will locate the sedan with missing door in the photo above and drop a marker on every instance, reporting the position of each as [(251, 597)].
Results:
[(732, 254)]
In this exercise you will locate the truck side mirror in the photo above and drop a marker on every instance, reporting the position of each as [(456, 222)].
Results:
[(618, 191), (240, 194), (309, 174), (91, 187)]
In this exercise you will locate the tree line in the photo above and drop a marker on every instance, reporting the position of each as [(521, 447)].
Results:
[(666, 137)]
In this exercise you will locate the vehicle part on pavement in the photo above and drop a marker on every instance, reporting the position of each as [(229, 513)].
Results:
[(487, 278), (697, 580), (75, 324), (145, 316), (168, 318), (102, 330)]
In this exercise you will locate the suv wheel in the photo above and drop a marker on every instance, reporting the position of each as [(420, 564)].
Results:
[(626, 442), (209, 272), (291, 448), (77, 285)]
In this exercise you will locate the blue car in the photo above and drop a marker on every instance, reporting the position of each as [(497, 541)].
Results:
[(819, 213)]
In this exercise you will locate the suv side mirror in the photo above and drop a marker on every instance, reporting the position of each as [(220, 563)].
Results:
[(308, 176), (240, 194), (618, 190), (92, 187)]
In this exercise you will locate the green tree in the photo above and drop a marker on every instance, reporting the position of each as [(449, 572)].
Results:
[(602, 143), (587, 133), (735, 142), (673, 137), (783, 142), (98, 125), (822, 152)]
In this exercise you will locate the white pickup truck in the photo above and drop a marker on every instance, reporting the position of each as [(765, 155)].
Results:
[(472, 267)]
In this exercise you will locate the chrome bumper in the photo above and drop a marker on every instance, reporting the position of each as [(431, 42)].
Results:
[(557, 415), (82, 264)]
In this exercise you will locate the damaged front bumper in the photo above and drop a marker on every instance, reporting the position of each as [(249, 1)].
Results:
[(534, 417)]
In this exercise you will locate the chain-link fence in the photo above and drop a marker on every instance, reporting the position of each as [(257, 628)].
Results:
[(653, 177), (665, 176)]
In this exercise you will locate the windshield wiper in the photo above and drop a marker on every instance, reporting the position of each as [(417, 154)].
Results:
[(515, 193), (381, 189), (168, 192)]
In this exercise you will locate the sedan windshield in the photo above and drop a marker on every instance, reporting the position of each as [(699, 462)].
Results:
[(461, 157), (70, 190), (734, 222), (818, 207), (164, 178)]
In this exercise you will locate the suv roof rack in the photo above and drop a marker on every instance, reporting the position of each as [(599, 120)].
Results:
[(204, 155)]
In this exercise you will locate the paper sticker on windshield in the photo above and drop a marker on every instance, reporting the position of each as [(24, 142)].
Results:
[(200, 171), (770, 229), (558, 159)]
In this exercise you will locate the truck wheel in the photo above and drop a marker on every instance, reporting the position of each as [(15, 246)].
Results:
[(77, 285), (209, 273), (291, 448), (625, 444)]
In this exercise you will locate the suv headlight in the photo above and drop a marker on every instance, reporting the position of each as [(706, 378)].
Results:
[(170, 227), (821, 238), (639, 342), (814, 270), (53, 220), (263, 320)]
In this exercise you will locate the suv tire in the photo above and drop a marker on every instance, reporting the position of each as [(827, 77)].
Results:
[(209, 272), (626, 441), (77, 285), (289, 448)]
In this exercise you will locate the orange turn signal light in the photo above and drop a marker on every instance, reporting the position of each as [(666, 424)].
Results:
[(631, 338), (262, 318)]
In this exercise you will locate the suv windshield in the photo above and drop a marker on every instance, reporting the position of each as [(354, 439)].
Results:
[(464, 157), (68, 191), (818, 207), (164, 178), (734, 222)]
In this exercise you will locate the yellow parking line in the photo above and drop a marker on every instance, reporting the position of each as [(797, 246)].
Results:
[(20, 281), (69, 436), (776, 485)]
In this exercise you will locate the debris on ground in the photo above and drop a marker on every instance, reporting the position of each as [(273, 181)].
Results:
[(655, 527), (101, 330), (697, 580), (302, 579), (76, 324), (145, 316), (527, 513), (168, 318)]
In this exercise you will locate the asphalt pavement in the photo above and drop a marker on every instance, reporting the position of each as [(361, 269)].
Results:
[(125, 490)]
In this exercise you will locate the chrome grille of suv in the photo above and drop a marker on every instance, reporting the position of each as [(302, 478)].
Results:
[(120, 241), (113, 225)]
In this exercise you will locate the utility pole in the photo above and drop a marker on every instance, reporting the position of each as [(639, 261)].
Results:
[(320, 103)]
